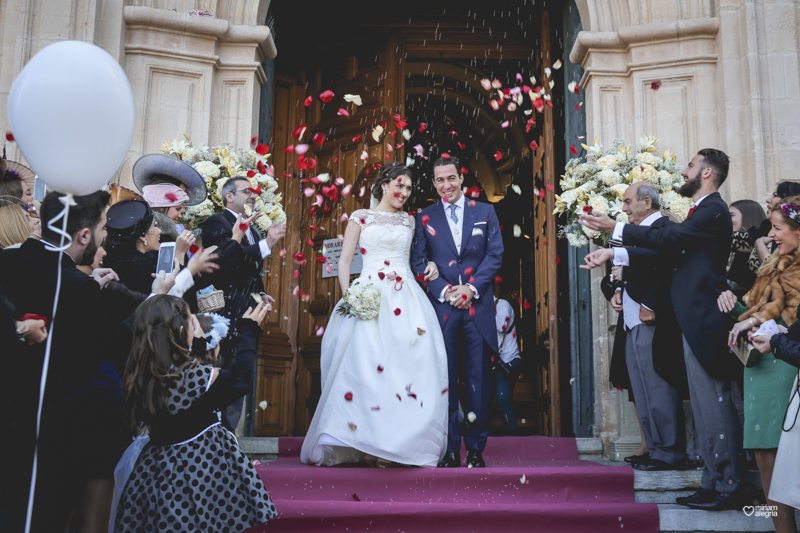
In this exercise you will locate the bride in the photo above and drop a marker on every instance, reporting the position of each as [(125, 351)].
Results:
[(384, 381)]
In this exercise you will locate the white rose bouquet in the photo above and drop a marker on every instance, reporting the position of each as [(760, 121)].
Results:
[(361, 301), (598, 184), (220, 163)]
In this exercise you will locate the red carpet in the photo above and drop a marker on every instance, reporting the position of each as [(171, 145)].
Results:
[(561, 493)]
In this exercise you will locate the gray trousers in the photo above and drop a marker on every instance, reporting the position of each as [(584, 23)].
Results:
[(657, 402), (718, 430)]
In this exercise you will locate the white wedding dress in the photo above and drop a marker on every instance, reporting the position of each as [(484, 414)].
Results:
[(384, 380)]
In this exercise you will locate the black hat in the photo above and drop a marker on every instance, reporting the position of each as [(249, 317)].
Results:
[(153, 169), (129, 219)]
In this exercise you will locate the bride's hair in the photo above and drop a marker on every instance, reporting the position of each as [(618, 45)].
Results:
[(387, 174)]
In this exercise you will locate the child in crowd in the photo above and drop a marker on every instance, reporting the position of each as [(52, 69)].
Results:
[(192, 475)]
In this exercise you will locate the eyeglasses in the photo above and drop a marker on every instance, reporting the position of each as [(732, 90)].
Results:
[(249, 191)]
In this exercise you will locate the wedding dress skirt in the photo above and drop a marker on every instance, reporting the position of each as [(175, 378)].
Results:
[(384, 381)]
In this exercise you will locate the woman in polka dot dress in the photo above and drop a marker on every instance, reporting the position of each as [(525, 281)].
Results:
[(192, 475)]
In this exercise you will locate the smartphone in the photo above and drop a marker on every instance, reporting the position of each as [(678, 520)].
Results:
[(39, 189), (166, 258)]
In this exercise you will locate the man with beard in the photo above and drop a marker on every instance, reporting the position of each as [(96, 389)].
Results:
[(241, 280), (30, 280), (699, 249)]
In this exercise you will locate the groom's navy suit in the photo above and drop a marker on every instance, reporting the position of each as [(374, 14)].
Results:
[(468, 337)]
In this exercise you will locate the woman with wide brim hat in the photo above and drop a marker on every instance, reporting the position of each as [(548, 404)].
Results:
[(168, 184)]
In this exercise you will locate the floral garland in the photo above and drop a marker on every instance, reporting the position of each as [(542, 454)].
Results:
[(217, 165), (598, 185), (791, 211)]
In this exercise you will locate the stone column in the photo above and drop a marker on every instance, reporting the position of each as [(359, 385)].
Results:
[(660, 79)]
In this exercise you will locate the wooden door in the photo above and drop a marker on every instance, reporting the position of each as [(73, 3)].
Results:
[(379, 83), (545, 259)]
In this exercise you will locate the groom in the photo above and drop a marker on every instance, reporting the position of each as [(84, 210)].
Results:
[(463, 238)]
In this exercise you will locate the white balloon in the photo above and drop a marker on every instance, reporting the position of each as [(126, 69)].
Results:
[(72, 113)]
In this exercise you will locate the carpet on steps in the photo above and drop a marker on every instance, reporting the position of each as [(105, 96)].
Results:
[(559, 493)]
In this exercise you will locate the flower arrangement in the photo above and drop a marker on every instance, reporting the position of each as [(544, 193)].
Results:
[(217, 165), (361, 301), (597, 185)]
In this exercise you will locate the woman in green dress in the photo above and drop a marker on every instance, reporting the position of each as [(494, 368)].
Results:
[(768, 382)]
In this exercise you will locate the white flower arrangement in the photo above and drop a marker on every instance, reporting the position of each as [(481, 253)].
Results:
[(598, 184), (220, 163), (361, 301)]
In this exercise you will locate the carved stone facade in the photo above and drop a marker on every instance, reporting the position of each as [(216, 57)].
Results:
[(729, 74), (199, 75)]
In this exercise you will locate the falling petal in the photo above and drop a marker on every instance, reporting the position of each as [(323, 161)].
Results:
[(517, 230), (486, 84), (655, 85), (534, 145), (320, 331), (557, 64), (352, 426), (547, 71), (343, 113), (431, 230), (356, 498), (380, 368), (308, 101), (318, 139), (299, 131), (353, 99), (326, 96), (498, 155), (262, 404), (308, 191), (406, 135), (377, 132), (420, 150), (573, 150), (516, 189), (348, 396), (471, 417), (364, 155), (282, 252), (301, 149)]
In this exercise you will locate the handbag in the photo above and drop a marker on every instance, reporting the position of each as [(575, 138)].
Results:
[(746, 353)]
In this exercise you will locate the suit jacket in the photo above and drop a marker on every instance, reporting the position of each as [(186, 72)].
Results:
[(238, 279), (477, 264), (698, 249), (647, 281)]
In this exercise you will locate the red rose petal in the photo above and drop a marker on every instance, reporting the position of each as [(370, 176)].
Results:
[(308, 101), (464, 170), (253, 140), (498, 279), (462, 146), (541, 193), (498, 155), (282, 252), (411, 394), (363, 251), (534, 145), (251, 173), (262, 149), (445, 156), (243, 226), (318, 139), (397, 312), (356, 138), (343, 112), (289, 149), (422, 127), (299, 131), (296, 274), (656, 85), (526, 305), (299, 257), (355, 496), (380, 368), (262, 168), (171, 197), (386, 263), (381, 275), (587, 209), (193, 249), (256, 190), (399, 398), (573, 150), (473, 192), (322, 260), (348, 396), (471, 310), (326, 96), (425, 220), (444, 391), (9, 137), (309, 242), (558, 260), (468, 271)]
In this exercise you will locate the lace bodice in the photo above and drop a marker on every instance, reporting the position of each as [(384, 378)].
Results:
[(384, 237)]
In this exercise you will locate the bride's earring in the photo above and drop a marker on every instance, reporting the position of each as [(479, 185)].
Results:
[(384, 190)]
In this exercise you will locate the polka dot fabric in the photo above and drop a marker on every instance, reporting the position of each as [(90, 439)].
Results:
[(204, 485)]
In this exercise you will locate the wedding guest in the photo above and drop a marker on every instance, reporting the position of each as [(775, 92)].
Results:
[(506, 369), (69, 406), (18, 181), (16, 225), (764, 246), (768, 383), (747, 217), (244, 277), (168, 184), (644, 297), (785, 486), (700, 246), (176, 397)]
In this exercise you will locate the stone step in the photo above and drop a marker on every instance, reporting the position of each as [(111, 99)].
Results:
[(676, 518)]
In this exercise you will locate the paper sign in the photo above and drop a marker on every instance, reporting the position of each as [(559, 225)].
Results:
[(332, 249)]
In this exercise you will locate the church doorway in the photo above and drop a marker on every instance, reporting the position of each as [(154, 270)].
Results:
[(419, 69)]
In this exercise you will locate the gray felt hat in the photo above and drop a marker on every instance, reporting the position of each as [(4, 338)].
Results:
[(153, 169)]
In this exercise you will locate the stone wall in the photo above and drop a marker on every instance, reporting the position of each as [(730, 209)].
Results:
[(199, 75), (729, 79)]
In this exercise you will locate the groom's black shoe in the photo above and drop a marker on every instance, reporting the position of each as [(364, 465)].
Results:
[(475, 459), (450, 460)]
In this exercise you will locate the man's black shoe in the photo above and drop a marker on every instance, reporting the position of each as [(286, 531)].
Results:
[(655, 465), (475, 459), (702, 495), (723, 501), (450, 460), (633, 459)]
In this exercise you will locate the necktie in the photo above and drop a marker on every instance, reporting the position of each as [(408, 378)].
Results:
[(453, 215), (691, 211)]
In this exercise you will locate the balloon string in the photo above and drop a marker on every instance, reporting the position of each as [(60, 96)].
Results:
[(65, 242)]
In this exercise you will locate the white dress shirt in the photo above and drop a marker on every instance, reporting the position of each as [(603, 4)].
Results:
[(262, 244), (506, 339), (630, 307), (456, 230)]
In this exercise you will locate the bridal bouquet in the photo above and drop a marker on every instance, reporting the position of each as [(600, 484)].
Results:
[(220, 163), (361, 301), (597, 185)]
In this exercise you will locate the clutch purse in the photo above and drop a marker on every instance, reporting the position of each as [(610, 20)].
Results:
[(746, 353)]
